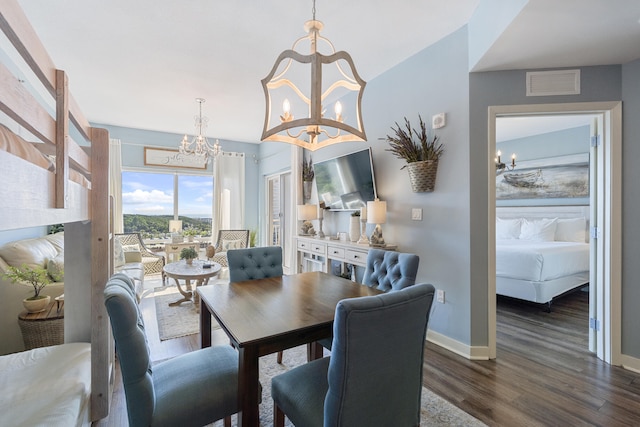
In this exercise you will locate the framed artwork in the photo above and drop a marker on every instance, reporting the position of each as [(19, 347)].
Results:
[(550, 181), (172, 158)]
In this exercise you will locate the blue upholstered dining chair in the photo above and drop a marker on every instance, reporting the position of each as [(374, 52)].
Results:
[(387, 271), (390, 270), (255, 263), (193, 389), (374, 374)]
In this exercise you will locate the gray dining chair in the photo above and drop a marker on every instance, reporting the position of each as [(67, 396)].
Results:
[(374, 374), (193, 389), (255, 263)]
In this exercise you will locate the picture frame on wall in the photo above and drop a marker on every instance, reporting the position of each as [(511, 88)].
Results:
[(562, 180), (167, 157)]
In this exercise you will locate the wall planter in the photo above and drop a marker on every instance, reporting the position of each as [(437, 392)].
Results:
[(422, 175), (421, 153)]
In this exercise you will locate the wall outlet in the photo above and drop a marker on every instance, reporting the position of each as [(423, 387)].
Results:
[(440, 296), (416, 214)]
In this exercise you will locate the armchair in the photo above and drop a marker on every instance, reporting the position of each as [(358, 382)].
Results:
[(151, 261), (229, 239), (374, 374), (192, 389)]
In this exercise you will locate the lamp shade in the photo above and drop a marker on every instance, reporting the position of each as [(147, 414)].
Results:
[(376, 212), (307, 212), (175, 226)]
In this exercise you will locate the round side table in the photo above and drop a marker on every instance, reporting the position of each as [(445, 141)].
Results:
[(45, 328)]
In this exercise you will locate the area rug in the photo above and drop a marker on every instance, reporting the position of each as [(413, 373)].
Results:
[(436, 411), (178, 320)]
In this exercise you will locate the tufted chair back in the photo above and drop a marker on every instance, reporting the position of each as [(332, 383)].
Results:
[(389, 270), (133, 349), (254, 263)]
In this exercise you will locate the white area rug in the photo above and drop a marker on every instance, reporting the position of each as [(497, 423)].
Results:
[(436, 411), (179, 320)]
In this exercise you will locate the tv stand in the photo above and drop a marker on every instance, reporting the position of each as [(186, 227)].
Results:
[(316, 254)]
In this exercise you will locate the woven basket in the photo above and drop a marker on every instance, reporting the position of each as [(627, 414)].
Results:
[(423, 175), (42, 333)]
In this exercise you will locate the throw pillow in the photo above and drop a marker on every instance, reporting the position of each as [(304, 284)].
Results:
[(132, 256), (131, 248), (55, 268), (572, 230), (227, 245)]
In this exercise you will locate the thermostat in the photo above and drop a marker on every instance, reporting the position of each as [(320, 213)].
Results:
[(438, 120)]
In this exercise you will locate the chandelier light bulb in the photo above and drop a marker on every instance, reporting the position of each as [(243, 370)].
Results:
[(338, 110)]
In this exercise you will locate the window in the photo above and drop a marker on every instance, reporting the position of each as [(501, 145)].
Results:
[(150, 200)]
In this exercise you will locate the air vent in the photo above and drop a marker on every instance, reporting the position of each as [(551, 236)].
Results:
[(549, 83)]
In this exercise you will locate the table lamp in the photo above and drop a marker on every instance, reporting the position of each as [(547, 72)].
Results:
[(377, 214), (305, 214)]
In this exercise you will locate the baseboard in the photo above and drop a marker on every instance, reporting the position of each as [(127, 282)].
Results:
[(464, 350), (630, 363)]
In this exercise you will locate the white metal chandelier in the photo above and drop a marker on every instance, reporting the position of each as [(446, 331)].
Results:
[(333, 78), (199, 146)]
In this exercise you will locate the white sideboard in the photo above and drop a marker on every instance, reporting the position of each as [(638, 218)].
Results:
[(316, 254), (172, 250)]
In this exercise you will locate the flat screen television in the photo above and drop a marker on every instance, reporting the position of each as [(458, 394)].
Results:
[(346, 182)]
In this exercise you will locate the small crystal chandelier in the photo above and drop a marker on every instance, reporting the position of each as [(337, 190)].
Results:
[(333, 78), (199, 145)]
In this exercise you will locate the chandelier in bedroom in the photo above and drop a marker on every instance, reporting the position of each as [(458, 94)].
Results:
[(501, 167), (199, 146), (333, 79)]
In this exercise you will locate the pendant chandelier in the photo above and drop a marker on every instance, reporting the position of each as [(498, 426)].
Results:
[(333, 79), (199, 146)]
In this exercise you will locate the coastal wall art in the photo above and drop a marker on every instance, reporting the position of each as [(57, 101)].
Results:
[(560, 180)]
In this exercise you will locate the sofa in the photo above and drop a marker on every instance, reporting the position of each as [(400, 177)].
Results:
[(47, 252)]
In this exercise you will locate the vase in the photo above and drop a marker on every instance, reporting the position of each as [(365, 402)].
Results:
[(354, 229), (423, 175), (306, 189), (36, 305), (189, 261)]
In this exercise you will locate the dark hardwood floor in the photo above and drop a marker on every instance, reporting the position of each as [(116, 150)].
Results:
[(544, 374)]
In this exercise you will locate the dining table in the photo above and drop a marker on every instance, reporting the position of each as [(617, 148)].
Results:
[(264, 316)]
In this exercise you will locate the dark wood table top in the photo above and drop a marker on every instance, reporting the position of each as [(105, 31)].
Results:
[(266, 309)]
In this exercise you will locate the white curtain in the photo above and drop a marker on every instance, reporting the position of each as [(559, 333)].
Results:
[(115, 183), (228, 193)]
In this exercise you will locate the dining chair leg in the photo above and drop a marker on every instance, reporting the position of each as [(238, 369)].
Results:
[(227, 421), (278, 416), (279, 358)]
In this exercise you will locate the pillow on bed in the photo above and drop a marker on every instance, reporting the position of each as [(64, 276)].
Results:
[(540, 230), (572, 230), (508, 228)]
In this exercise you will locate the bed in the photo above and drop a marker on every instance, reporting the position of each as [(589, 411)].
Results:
[(55, 171), (541, 254)]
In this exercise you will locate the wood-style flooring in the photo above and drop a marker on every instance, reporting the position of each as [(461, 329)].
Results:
[(543, 376)]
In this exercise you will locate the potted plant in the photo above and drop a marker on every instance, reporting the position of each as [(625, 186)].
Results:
[(419, 151), (36, 277), (190, 233), (307, 177), (253, 238), (188, 254)]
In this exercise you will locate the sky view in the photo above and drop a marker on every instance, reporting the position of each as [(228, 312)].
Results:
[(152, 194)]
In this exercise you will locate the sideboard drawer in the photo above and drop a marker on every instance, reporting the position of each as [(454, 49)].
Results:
[(319, 248), (312, 247), (335, 252), (356, 257)]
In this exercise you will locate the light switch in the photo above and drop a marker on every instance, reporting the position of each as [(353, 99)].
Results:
[(416, 214)]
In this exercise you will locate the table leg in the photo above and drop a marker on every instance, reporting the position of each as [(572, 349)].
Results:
[(248, 386), (314, 351), (186, 295), (205, 325)]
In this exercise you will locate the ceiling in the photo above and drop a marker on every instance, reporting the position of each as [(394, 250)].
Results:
[(142, 63)]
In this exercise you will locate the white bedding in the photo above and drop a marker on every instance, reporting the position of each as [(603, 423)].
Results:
[(47, 386), (540, 261)]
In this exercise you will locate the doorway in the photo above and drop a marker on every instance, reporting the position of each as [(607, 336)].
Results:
[(604, 318), (278, 229)]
